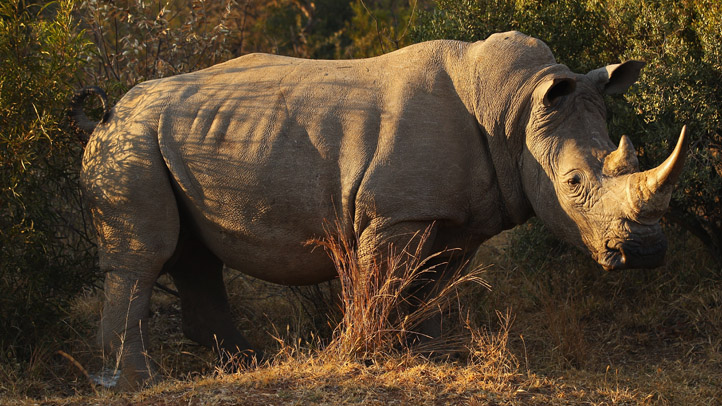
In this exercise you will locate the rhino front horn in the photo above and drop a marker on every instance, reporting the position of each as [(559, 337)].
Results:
[(649, 191)]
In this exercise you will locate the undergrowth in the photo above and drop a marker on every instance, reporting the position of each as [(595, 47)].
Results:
[(552, 328)]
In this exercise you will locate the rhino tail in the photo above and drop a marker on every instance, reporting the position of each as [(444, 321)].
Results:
[(78, 117)]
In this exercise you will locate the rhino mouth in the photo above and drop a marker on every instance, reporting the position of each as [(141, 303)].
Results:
[(611, 259), (632, 254)]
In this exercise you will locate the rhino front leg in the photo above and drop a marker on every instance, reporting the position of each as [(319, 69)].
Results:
[(433, 328), (416, 243), (207, 319), (410, 244), (378, 241)]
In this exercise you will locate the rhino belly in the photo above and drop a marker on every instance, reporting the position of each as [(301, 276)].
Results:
[(259, 216), (264, 239), (288, 261)]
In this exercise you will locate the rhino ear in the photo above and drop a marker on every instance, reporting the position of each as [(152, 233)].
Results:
[(617, 78), (554, 89)]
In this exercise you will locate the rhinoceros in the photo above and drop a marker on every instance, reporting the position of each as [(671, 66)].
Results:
[(244, 162)]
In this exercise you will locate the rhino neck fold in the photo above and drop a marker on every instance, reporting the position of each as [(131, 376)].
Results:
[(460, 61), (500, 100), (515, 208), (510, 68)]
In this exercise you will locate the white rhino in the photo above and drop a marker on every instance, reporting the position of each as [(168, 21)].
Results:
[(244, 162)]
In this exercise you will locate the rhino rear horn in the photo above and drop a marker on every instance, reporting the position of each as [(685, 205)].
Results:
[(649, 192), (621, 161), (617, 78)]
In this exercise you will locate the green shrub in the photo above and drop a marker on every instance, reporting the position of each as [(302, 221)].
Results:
[(45, 255), (378, 27), (142, 40)]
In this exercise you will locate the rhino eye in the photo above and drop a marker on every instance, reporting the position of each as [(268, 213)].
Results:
[(574, 180)]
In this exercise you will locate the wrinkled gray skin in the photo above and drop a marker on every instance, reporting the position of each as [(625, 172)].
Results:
[(244, 162)]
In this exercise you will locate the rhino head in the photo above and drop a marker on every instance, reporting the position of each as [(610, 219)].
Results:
[(586, 190)]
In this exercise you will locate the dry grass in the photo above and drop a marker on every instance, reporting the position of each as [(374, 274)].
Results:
[(312, 380), (377, 314), (553, 330)]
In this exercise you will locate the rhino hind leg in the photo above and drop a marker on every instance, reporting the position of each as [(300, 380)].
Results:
[(206, 314), (124, 325), (135, 215)]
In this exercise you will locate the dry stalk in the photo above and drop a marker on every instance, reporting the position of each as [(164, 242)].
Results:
[(489, 351)]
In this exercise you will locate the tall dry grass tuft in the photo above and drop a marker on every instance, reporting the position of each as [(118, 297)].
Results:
[(378, 316)]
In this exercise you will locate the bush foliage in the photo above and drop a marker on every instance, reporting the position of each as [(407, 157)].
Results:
[(46, 256)]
